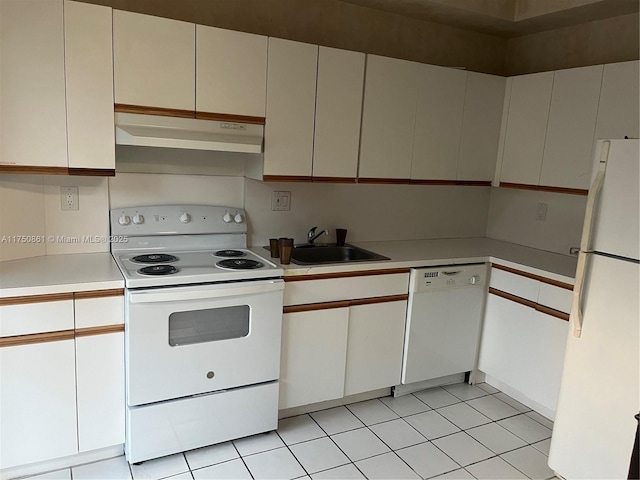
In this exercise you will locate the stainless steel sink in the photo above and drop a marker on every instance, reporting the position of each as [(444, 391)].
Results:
[(316, 254)]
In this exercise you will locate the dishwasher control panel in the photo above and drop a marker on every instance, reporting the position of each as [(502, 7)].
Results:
[(423, 279)]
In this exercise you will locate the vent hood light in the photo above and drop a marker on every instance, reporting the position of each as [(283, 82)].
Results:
[(187, 133)]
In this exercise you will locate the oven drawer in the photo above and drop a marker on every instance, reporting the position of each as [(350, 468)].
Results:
[(184, 424), (190, 340)]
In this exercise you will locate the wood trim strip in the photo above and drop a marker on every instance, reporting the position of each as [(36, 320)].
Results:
[(470, 183), (363, 273), (33, 170), (545, 188), (229, 117), (373, 300), (555, 283), (92, 172), (474, 183), (311, 307), (102, 330), (386, 181), (553, 312), (334, 179), (286, 178), (146, 110), (36, 338), (51, 297), (513, 298), (113, 292)]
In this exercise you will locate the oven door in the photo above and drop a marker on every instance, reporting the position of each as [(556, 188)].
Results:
[(183, 341)]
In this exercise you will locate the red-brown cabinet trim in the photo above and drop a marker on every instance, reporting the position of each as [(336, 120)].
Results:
[(326, 276), (555, 283), (528, 303)]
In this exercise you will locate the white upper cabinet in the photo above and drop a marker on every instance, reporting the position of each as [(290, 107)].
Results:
[(154, 61), (438, 123), (572, 120), (231, 72), (481, 120), (618, 109), (388, 118), (338, 113), (291, 100), (526, 128), (89, 85), (32, 84)]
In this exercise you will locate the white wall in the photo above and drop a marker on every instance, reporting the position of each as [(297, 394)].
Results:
[(369, 212), (512, 218)]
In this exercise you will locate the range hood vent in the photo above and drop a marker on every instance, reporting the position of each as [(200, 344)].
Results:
[(187, 133)]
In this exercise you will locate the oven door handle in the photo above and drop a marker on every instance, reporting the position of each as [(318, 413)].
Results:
[(204, 293)]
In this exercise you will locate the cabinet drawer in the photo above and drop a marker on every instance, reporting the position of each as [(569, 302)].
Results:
[(29, 318), (347, 288), (95, 312), (515, 284), (555, 297)]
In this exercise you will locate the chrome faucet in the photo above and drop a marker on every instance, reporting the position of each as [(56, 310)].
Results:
[(312, 235)]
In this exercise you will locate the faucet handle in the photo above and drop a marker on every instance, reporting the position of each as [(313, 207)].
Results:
[(311, 232)]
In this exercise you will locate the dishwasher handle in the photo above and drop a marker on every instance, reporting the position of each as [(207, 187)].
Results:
[(452, 272)]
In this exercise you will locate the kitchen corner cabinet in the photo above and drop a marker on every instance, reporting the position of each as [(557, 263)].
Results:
[(62, 381), (438, 122), (231, 72), (618, 108), (56, 80), (388, 118), (338, 113), (524, 335), (291, 98), (154, 61), (481, 121), (341, 336)]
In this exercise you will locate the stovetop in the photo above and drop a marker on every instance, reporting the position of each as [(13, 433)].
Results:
[(184, 244)]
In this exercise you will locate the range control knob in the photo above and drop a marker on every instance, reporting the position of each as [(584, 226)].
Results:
[(138, 219), (474, 280), (184, 217), (124, 219), (238, 218), (227, 218)]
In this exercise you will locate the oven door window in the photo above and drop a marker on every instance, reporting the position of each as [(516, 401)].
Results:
[(209, 325)]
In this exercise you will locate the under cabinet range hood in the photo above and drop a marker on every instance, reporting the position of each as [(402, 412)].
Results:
[(187, 133)]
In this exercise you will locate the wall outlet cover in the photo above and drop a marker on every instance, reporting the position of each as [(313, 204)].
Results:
[(69, 198), (541, 212), (280, 201)]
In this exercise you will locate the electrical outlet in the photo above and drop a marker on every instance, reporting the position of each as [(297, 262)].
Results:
[(541, 212), (280, 201), (69, 198)]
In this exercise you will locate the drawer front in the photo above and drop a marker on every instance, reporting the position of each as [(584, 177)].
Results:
[(96, 312), (29, 318), (515, 284), (555, 297), (348, 288)]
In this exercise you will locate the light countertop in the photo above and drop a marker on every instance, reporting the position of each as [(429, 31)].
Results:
[(450, 251), (59, 274)]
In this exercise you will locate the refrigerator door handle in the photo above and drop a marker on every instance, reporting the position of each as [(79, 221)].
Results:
[(594, 193), (578, 288)]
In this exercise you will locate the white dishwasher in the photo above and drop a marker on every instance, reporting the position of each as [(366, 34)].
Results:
[(443, 321)]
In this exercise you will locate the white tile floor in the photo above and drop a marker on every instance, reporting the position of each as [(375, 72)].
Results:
[(452, 432)]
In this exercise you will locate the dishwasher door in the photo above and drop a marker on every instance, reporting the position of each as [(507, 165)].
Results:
[(443, 321)]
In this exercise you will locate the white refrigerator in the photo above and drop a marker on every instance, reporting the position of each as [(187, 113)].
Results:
[(594, 428)]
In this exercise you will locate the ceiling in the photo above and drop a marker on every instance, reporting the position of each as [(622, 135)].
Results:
[(506, 18)]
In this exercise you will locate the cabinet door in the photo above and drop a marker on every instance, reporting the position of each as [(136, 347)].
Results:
[(388, 118), (572, 120), (231, 72), (618, 108), (314, 348), (38, 398), (526, 128), (374, 348), (101, 400), (89, 83), (32, 85), (291, 100), (438, 123), (154, 61), (338, 113), (481, 121)]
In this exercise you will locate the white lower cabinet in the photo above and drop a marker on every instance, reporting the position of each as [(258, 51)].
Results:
[(38, 403), (314, 349), (374, 347)]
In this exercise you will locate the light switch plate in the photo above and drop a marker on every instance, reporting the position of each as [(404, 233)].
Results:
[(280, 201)]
